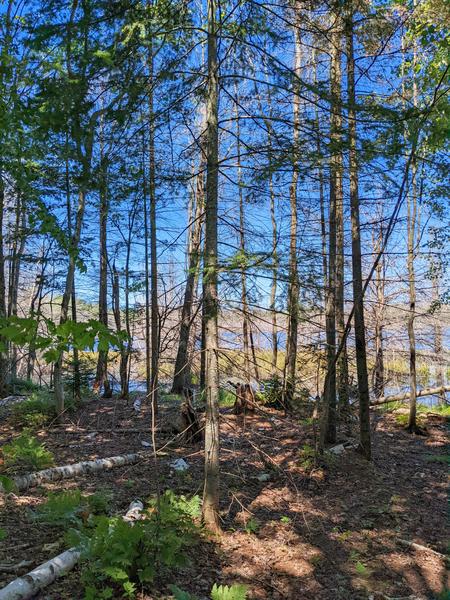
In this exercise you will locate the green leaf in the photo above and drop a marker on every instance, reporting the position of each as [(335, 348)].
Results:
[(180, 594), (6, 483), (224, 592)]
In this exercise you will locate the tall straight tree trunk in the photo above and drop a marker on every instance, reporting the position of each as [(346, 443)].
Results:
[(378, 382), (18, 247), (124, 352), (148, 365), (293, 289), (273, 219), (153, 256), (3, 351), (438, 347), (76, 354), (358, 299), (211, 301), (35, 310), (101, 378), (244, 300), (182, 367), (75, 242), (274, 282), (202, 379), (411, 224), (336, 149), (76, 361), (323, 226), (335, 282)]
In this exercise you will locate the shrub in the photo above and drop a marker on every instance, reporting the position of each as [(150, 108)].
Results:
[(25, 451), (117, 552), (308, 456), (38, 410), (22, 386), (272, 394), (226, 397)]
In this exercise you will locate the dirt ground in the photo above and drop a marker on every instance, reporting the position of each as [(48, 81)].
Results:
[(292, 529)]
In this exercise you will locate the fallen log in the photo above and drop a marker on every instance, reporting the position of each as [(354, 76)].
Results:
[(12, 400), (23, 482), (406, 395), (420, 548), (29, 585), (91, 431)]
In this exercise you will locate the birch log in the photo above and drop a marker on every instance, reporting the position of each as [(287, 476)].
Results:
[(23, 482), (29, 585), (39, 578), (405, 396)]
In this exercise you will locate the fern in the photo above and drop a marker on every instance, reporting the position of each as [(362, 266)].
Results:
[(179, 594), (25, 451), (225, 592), (218, 592), (119, 553), (71, 508)]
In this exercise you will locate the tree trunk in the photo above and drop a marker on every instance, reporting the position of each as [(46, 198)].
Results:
[(34, 311), (101, 378), (155, 325), (76, 356), (124, 351), (293, 288), (17, 249), (148, 364), (378, 382), (182, 365), (75, 241), (336, 149), (438, 347), (3, 351), (275, 266), (358, 296), (335, 267), (244, 302), (411, 223), (211, 488)]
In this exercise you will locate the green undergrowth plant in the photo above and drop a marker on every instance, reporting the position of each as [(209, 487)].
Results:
[(26, 452), (252, 526), (403, 419), (272, 394), (38, 410), (35, 412), (22, 386), (120, 554), (72, 508), (227, 398), (308, 456), (218, 592)]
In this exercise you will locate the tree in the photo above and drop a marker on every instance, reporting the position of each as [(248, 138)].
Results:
[(211, 306), (358, 295)]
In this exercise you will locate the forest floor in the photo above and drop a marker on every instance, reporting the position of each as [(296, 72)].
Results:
[(293, 529)]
